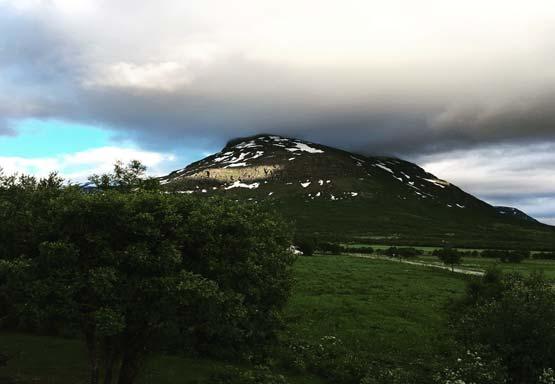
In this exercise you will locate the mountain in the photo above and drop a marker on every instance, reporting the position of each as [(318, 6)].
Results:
[(514, 212), (327, 192)]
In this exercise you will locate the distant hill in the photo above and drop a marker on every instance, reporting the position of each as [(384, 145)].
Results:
[(328, 192), (514, 212)]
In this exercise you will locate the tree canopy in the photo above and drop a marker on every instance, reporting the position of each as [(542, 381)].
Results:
[(512, 317), (129, 267)]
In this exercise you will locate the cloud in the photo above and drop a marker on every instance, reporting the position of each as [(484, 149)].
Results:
[(165, 76), (508, 175), (445, 76), (79, 165), (472, 81)]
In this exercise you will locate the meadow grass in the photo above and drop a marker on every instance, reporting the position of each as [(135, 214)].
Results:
[(547, 267), (527, 266), (389, 312)]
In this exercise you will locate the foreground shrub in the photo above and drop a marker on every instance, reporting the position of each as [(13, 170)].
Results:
[(125, 268), (329, 358), (513, 318), (471, 368)]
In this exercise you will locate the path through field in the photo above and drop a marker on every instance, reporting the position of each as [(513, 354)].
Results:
[(464, 271)]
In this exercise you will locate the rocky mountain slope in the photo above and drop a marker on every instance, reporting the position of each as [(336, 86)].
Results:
[(331, 192)]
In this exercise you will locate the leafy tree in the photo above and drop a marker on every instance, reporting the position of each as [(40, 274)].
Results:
[(391, 252), (125, 177), (333, 248), (506, 256), (127, 268), (544, 255), (24, 209), (401, 253), (516, 256), (449, 256), (512, 317), (306, 245), (365, 250)]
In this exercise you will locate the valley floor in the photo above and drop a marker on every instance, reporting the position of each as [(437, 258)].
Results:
[(469, 265), (391, 313)]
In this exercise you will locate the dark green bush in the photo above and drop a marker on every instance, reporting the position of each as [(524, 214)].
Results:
[(512, 318), (306, 245), (332, 248)]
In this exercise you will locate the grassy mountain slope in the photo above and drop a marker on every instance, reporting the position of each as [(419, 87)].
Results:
[(329, 192)]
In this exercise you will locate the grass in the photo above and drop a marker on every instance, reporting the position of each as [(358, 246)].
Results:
[(55, 360), (476, 263), (387, 311), (390, 311), (525, 267)]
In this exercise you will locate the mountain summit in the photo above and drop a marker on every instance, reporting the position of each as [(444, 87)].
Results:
[(326, 190)]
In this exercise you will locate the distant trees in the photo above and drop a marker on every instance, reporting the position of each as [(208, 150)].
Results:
[(332, 248), (402, 252), (125, 177), (544, 255), (365, 249), (449, 256), (130, 269), (512, 318), (306, 245), (506, 256)]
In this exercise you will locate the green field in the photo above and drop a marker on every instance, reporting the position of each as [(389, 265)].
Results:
[(390, 312), (381, 307), (525, 267), (51, 360), (476, 263)]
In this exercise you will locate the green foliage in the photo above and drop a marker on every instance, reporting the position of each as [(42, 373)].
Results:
[(329, 358), (471, 368), (377, 374), (547, 376), (544, 255), (449, 256), (378, 312), (402, 252), (512, 317), (125, 177), (506, 256), (306, 245), (365, 250), (128, 269), (259, 375), (332, 248)]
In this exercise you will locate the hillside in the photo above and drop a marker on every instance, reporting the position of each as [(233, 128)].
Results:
[(330, 192)]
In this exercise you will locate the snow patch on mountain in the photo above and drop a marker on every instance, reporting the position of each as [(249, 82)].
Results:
[(304, 148), (239, 184)]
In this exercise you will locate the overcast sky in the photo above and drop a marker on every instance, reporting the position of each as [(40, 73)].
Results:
[(464, 88)]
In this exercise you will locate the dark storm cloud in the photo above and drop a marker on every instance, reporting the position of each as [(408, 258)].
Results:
[(37, 69), (175, 74), (48, 72)]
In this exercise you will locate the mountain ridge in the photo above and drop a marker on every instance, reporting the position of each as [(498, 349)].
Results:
[(378, 195)]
